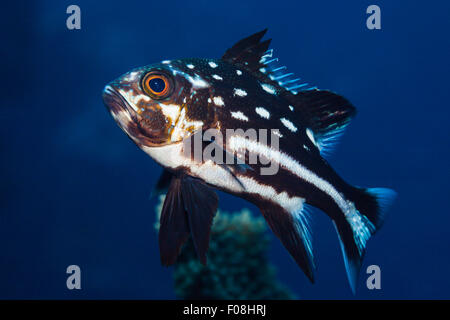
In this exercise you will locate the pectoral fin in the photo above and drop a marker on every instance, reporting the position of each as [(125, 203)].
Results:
[(163, 183)]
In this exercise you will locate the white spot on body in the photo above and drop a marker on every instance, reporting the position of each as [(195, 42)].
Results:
[(165, 62), (209, 100), (239, 72), (288, 124), (217, 77), (239, 115), (291, 108), (197, 82), (310, 135), (268, 88), (190, 66), (239, 92), (212, 64), (218, 101), (262, 112)]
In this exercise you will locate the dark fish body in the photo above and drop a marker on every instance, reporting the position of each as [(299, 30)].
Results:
[(164, 105)]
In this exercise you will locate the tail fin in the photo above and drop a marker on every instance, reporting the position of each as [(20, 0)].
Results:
[(366, 214)]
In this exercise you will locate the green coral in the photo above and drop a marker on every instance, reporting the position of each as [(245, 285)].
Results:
[(237, 267)]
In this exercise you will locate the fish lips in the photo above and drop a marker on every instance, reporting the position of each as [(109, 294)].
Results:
[(122, 112), (115, 102)]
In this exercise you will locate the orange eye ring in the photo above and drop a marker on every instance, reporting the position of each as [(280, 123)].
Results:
[(157, 85)]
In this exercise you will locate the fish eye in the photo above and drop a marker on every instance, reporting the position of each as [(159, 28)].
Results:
[(157, 85)]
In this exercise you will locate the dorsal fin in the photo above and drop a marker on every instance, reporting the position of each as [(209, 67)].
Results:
[(248, 52), (327, 114), (279, 75), (253, 55), (329, 111)]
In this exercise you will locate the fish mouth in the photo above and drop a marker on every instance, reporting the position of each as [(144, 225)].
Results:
[(122, 112), (116, 103)]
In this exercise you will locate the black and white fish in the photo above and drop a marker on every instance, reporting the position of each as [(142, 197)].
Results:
[(162, 105)]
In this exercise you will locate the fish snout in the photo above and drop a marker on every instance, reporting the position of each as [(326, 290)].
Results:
[(112, 99)]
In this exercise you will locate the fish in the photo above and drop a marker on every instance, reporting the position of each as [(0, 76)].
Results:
[(167, 107)]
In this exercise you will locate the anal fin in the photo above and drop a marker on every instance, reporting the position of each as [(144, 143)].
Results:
[(292, 230), (352, 255)]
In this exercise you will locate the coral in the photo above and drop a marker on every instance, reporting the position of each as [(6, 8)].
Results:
[(237, 268)]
